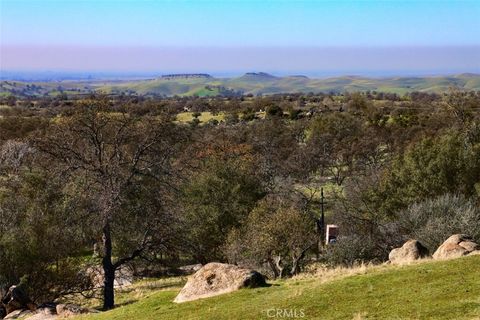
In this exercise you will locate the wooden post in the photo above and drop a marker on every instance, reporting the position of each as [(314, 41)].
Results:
[(321, 223)]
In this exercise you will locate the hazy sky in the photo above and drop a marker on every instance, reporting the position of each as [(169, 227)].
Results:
[(205, 35)]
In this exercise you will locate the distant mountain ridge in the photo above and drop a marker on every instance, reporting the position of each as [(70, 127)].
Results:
[(257, 76), (256, 83), (186, 76)]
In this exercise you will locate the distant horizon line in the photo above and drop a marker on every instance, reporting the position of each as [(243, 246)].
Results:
[(63, 74)]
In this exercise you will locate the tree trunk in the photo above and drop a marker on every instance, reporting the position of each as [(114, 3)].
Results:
[(294, 269), (108, 269), (296, 260), (273, 267), (278, 264)]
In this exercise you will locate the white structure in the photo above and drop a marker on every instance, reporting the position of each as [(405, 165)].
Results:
[(331, 233)]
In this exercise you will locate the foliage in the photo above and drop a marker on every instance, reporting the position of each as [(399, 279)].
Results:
[(277, 232), (274, 111), (432, 221), (128, 172), (449, 163), (109, 157), (40, 236), (350, 250), (214, 200), (333, 142)]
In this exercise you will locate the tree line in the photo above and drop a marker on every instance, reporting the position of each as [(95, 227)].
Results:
[(115, 181)]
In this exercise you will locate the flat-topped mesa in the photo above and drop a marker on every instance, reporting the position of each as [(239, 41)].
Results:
[(186, 76), (259, 74)]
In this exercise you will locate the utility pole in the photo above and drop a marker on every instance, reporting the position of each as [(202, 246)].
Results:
[(321, 222)]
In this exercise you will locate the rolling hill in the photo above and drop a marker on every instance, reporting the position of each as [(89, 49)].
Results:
[(426, 290), (250, 83)]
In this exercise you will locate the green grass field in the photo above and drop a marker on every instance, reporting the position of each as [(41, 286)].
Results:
[(185, 117), (427, 290)]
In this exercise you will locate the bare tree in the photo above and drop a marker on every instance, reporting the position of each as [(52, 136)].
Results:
[(110, 155)]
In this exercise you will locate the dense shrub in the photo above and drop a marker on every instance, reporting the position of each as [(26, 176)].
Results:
[(40, 237), (215, 200), (352, 249), (434, 220), (448, 163)]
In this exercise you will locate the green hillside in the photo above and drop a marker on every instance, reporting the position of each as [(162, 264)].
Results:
[(263, 83), (427, 290), (250, 83)]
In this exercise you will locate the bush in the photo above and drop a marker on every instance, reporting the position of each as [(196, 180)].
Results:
[(352, 249), (41, 237), (274, 111), (249, 115), (433, 221), (215, 200), (277, 232), (449, 163)]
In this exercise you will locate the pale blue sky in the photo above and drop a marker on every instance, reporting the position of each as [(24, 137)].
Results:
[(96, 26), (234, 23)]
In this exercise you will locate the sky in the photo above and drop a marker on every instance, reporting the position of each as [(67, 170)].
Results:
[(234, 36)]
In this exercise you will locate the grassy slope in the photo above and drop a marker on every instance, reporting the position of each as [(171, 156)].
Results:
[(269, 85), (257, 85), (431, 290)]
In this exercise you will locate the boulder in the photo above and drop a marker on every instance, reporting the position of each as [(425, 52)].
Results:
[(42, 316), (218, 278), (19, 314), (470, 246), (49, 308), (456, 246), (410, 251), (17, 299)]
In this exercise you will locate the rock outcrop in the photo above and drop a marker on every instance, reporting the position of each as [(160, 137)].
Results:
[(68, 310), (19, 314), (456, 246), (410, 251), (218, 278), (16, 299)]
